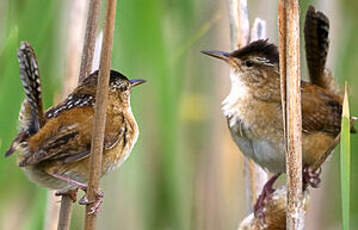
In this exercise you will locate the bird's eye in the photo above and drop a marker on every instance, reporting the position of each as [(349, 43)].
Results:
[(124, 87), (249, 63)]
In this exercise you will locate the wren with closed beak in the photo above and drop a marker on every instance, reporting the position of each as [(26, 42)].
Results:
[(54, 146)]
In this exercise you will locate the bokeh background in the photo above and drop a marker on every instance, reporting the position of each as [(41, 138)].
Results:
[(184, 172)]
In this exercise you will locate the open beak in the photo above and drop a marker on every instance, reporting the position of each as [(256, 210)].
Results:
[(217, 54), (135, 82)]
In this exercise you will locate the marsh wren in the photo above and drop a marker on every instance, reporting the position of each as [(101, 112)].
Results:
[(54, 146), (253, 107)]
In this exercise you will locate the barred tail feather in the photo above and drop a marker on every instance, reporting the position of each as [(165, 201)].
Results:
[(316, 32), (30, 77), (25, 120), (16, 144)]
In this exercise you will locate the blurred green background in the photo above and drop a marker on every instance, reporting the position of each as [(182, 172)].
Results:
[(184, 172)]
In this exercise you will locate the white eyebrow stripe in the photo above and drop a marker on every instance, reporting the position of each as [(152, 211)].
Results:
[(264, 61)]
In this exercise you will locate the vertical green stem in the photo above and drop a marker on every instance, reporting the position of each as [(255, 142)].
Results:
[(345, 161)]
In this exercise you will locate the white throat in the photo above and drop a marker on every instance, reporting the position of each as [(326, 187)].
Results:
[(238, 92)]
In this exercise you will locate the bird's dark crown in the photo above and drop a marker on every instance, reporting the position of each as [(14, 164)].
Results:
[(116, 79), (260, 48), (114, 76)]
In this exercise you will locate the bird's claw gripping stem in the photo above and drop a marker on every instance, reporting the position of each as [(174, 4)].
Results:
[(96, 203)]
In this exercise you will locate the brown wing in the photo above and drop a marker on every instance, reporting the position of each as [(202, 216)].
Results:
[(69, 139), (316, 44), (321, 110)]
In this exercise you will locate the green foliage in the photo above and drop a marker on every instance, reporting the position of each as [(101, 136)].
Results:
[(34, 21)]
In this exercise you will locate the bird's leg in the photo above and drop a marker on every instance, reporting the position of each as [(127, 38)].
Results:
[(97, 202), (267, 191), (84, 200), (71, 181), (71, 193), (311, 177)]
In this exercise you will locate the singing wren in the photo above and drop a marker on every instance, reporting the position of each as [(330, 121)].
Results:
[(54, 145), (253, 107), (254, 112)]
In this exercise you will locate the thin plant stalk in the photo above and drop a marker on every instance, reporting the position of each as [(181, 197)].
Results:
[(240, 32), (90, 38), (100, 113), (74, 22), (87, 56), (64, 220), (52, 211), (255, 177), (289, 40)]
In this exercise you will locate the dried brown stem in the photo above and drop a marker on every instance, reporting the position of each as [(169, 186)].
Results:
[(255, 177), (86, 62), (100, 112), (74, 25), (243, 25), (233, 21), (90, 38), (239, 23), (239, 30), (52, 211), (65, 213), (291, 99), (250, 183)]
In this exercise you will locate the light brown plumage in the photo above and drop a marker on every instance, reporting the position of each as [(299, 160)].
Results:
[(254, 113), (61, 145)]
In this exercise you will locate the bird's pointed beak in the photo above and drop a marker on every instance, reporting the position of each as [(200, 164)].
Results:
[(135, 82), (217, 54)]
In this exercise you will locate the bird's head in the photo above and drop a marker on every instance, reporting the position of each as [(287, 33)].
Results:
[(253, 63), (119, 85)]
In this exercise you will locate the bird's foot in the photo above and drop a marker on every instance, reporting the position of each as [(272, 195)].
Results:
[(97, 202), (72, 194), (266, 193), (311, 177)]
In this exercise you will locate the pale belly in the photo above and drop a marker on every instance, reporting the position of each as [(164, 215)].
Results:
[(263, 152), (40, 177), (259, 135), (271, 155)]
